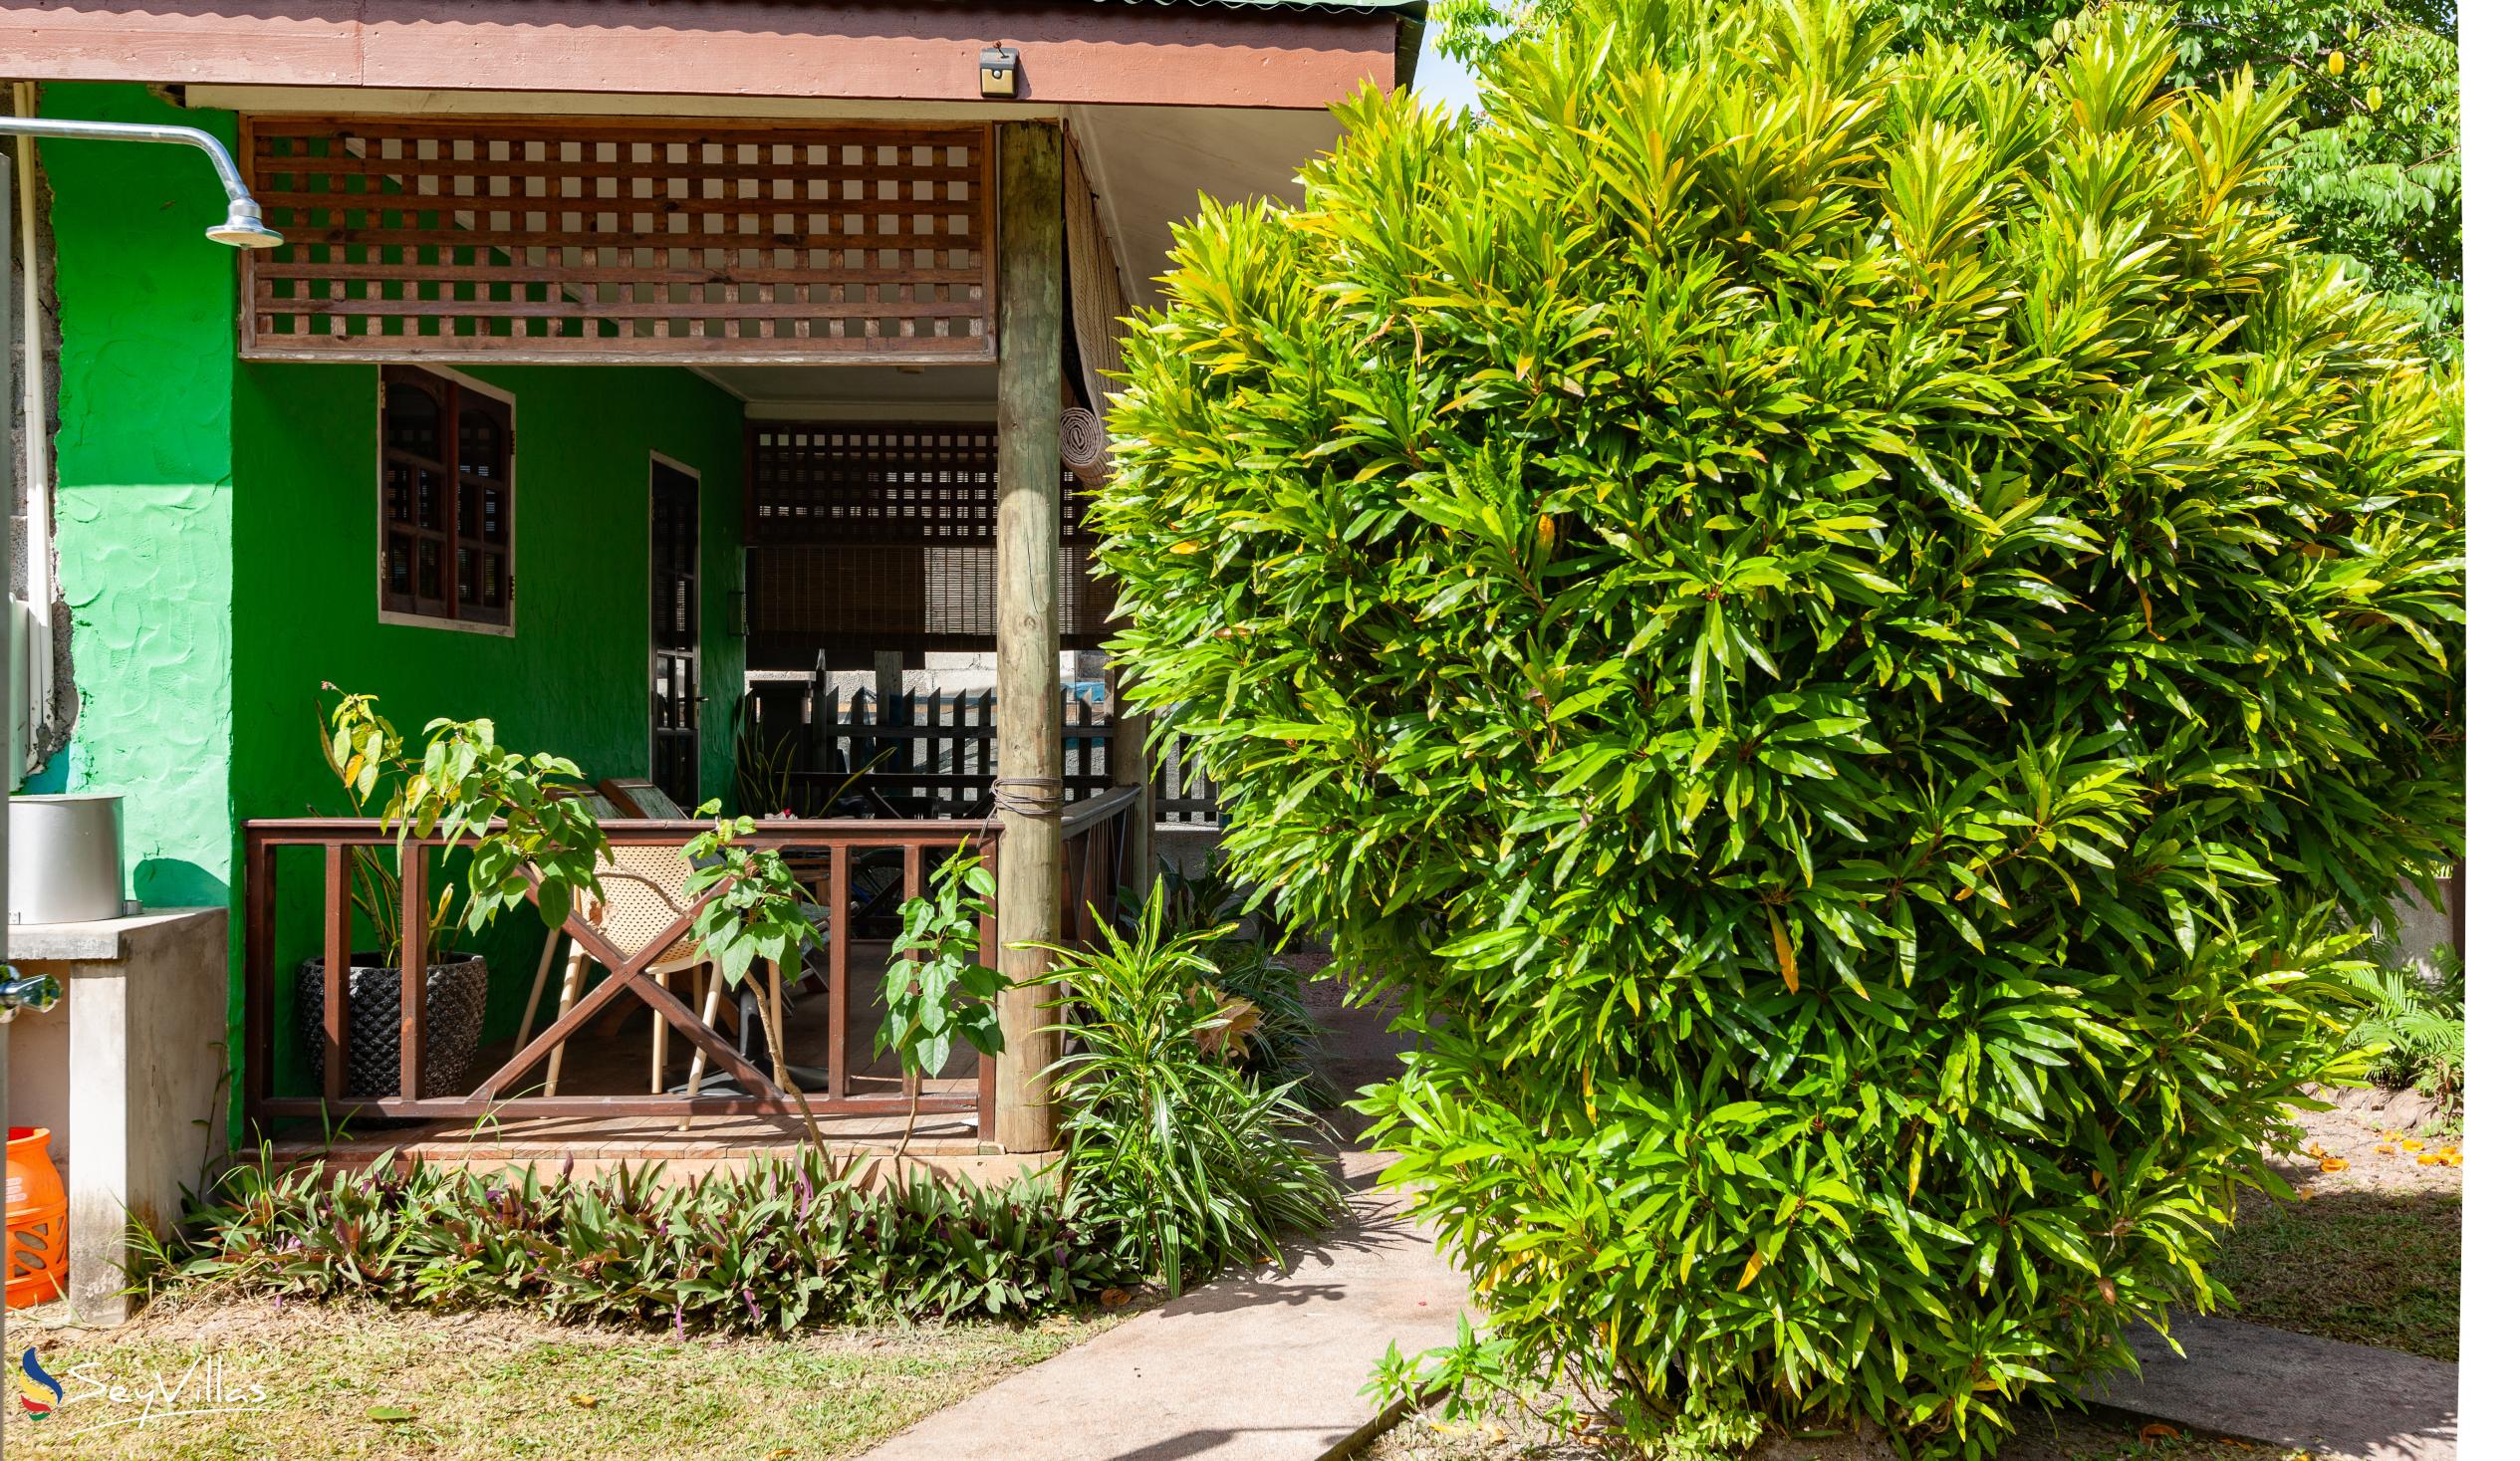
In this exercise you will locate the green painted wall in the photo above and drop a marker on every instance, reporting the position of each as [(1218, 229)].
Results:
[(218, 546), (147, 505), (572, 680)]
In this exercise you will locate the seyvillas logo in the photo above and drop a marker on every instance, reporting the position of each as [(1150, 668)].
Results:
[(38, 1391)]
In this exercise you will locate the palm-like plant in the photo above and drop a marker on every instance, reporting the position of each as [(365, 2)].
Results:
[(2416, 1026), (1194, 1164)]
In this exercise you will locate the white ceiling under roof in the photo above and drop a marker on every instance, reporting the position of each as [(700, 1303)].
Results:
[(1151, 163)]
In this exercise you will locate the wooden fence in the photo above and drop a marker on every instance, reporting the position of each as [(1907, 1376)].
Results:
[(935, 755)]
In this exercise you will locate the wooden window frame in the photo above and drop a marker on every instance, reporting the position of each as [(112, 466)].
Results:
[(456, 391), (699, 600)]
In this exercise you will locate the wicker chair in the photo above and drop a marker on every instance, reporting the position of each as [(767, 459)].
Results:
[(642, 893)]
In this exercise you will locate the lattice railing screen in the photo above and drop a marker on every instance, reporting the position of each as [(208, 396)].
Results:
[(537, 240), (884, 537)]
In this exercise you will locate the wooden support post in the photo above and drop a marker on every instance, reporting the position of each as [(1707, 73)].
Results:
[(1032, 166), (416, 953), (1129, 769)]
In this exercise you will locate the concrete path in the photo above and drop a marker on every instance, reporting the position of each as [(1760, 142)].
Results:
[(1259, 1366), (2264, 1384)]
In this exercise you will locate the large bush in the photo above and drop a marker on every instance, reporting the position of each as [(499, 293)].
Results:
[(1847, 626)]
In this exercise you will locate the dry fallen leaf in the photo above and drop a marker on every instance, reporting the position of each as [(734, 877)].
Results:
[(2411, 1145), (1114, 1298), (2430, 1158), (2157, 1431), (588, 1403), (2333, 1164)]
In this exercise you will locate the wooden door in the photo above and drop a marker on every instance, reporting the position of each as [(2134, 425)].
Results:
[(673, 631)]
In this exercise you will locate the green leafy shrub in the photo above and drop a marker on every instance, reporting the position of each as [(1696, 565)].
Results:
[(1840, 624), (1190, 1163), (2414, 1025), (772, 1246), (1285, 1038)]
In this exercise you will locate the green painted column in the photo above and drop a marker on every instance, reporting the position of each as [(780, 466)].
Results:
[(145, 508)]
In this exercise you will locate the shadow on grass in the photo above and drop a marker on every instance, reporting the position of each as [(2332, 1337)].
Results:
[(2365, 1267)]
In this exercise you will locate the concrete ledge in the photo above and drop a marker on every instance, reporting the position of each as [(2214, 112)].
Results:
[(109, 940), (882, 1167), (126, 1073)]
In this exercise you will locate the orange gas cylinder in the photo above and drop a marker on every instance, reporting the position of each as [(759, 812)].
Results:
[(39, 1220)]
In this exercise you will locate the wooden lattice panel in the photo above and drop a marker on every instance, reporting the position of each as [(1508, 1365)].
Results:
[(853, 482), (882, 537), (739, 243)]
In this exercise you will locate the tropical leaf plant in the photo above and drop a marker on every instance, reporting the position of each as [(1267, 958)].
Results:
[(523, 818), (2369, 153), (938, 991), (772, 1246), (1841, 624), (752, 916), (1191, 1163)]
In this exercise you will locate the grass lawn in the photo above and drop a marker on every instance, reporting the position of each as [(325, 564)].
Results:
[(490, 1384), (2370, 1268)]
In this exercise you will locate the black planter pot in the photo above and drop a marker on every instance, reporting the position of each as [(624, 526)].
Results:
[(457, 996)]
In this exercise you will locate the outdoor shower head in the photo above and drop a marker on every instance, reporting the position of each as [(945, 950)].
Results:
[(244, 227)]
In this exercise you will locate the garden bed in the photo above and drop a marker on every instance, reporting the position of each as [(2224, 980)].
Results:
[(359, 1380)]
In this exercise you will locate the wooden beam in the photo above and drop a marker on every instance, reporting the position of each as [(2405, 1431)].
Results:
[(1175, 54), (1032, 162)]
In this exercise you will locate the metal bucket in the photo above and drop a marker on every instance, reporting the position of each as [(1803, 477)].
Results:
[(65, 858)]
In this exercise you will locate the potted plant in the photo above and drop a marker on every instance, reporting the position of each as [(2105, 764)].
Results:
[(465, 785)]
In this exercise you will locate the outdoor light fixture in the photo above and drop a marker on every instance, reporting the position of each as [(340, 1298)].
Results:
[(244, 228), (997, 71)]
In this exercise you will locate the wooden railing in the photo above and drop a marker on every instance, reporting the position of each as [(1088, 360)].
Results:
[(1093, 833), (1093, 836), (935, 755)]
